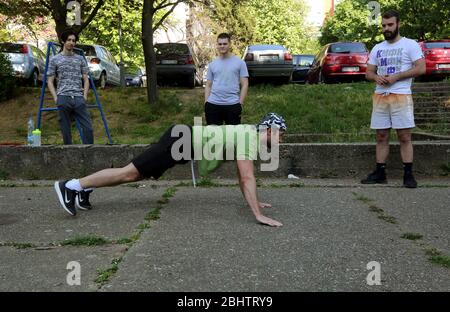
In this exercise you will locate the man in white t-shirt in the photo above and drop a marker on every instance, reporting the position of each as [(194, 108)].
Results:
[(226, 85), (393, 64)]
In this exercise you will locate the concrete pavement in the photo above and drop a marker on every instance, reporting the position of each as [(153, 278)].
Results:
[(206, 239)]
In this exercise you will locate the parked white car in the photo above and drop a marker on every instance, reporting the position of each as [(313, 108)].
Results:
[(102, 65)]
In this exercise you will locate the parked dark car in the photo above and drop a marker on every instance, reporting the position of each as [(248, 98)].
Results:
[(27, 61), (134, 77), (176, 62), (264, 60), (437, 58), (338, 61), (302, 63)]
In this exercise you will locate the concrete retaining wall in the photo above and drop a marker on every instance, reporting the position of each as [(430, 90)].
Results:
[(313, 160)]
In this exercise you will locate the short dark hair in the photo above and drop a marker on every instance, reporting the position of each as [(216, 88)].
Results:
[(392, 13), (66, 33), (224, 36)]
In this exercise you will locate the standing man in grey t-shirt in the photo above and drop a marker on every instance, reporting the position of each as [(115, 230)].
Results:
[(71, 71), (226, 86)]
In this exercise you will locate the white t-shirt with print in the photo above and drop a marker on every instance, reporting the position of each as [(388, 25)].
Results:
[(394, 58)]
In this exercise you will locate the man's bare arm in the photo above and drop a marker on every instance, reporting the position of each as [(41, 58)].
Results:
[(371, 75), (208, 86), (244, 89), (247, 182), (418, 69), (85, 86), (51, 87)]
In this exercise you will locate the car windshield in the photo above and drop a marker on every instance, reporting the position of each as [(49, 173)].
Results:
[(351, 47), (171, 48), (11, 48), (437, 45), (87, 49), (303, 60)]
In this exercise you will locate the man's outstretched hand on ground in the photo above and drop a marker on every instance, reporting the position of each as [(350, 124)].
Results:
[(268, 221)]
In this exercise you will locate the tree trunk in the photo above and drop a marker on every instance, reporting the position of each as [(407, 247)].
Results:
[(59, 14), (149, 53)]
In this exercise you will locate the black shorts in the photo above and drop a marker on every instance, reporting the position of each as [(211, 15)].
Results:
[(220, 114), (155, 160)]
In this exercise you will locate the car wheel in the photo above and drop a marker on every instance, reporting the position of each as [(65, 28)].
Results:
[(102, 81), (34, 79), (191, 81)]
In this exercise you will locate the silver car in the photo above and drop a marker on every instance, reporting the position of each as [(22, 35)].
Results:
[(102, 65), (264, 60), (28, 62)]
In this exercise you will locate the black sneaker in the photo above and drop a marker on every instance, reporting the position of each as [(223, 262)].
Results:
[(409, 181), (375, 177), (66, 197), (82, 200)]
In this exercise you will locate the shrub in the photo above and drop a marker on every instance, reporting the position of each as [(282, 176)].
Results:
[(7, 81)]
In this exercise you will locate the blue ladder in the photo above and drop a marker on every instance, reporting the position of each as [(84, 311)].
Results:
[(51, 49)]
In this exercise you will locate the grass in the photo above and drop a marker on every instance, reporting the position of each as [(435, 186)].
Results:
[(18, 245), (337, 112), (206, 182), (153, 215), (328, 109), (437, 257), (3, 175), (85, 241), (105, 275), (388, 219), (376, 209), (362, 198), (412, 236)]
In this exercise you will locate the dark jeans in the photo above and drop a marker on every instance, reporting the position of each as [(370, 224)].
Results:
[(220, 114), (74, 106)]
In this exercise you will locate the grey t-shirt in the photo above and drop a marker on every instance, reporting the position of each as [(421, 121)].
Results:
[(225, 75), (69, 70)]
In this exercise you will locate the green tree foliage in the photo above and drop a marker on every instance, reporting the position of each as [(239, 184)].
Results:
[(257, 22), (234, 17), (420, 19), (425, 19), (350, 22), (29, 10), (104, 30), (281, 22)]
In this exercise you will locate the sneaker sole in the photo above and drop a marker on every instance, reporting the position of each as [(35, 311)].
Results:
[(61, 200), (77, 204)]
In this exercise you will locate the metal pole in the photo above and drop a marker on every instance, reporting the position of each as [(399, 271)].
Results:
[(121, 64)]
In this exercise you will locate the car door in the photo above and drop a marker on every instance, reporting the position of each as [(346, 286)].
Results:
[(114, 69), (313, 71), (106, 65)]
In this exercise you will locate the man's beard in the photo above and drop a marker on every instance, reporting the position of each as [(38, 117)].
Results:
[(388, 35)]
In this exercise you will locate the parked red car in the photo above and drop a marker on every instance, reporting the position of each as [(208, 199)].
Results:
[(339, 60), (437, 57)]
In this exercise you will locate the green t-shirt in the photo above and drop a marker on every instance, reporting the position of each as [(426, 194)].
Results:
[(215, 144)]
